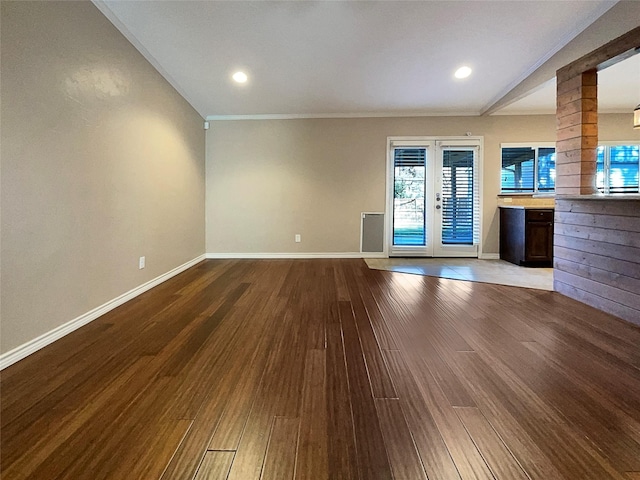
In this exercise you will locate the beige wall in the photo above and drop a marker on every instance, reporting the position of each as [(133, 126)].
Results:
[(102, 162), (270, 179)]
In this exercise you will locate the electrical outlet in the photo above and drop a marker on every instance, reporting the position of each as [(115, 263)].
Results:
[(298, 240), (141, 263)]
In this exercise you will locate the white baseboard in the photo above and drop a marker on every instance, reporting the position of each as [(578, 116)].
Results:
[(26, 349), (489, 256), (297, 255)]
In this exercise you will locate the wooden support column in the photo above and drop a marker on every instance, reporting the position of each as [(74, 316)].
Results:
[(577, 132), (595, 242)]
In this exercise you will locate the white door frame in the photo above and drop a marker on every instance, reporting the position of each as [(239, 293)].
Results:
[(439, 249), (429, 145), (433, 144)]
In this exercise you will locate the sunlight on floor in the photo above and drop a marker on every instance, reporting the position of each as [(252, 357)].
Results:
[(470, 269)]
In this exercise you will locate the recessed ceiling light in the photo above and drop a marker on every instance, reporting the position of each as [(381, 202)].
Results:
[(463, 72), (240, 77)]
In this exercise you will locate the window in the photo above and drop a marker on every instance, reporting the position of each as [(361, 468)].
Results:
[(617, 168), (532, 169), (528, 169)]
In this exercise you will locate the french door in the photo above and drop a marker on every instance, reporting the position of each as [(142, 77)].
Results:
[(433, 207)]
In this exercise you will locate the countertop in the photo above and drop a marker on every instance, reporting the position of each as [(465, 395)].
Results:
[(526, 207), (620, 196)]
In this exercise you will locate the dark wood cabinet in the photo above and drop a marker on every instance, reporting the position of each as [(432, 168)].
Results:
[(526, 236)]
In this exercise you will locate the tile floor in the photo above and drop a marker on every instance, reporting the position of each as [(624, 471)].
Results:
[(471, 269)]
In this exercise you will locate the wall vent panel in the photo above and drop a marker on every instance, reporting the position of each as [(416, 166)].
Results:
[(372, 232)]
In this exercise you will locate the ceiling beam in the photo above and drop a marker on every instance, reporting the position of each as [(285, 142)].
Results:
[(609, 54), (618, 20)]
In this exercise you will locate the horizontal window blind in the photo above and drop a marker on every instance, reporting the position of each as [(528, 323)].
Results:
[(460, 198), (618, 168), (518, 174), (623, 169), (409, 228), (409, 157)]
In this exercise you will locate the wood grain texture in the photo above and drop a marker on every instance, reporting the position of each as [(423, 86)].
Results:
[(577, 131), (523, 447), (500, 460), (312, 461), (280, 459), (576, 81), (601, 57), (405, 462), (464, 452), (340, 429), (433, 451), (215, 466), (599, 254), (372, 456), (244, 370), (381, 384)]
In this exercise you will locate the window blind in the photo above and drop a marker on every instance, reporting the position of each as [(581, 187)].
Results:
[(409, 157), (518, 173), (460, 198)]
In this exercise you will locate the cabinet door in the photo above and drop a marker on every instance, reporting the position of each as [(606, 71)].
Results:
[(512, 235), (539, 241)]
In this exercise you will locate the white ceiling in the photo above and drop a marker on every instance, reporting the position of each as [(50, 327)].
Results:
[(350, 58), (618, 92)]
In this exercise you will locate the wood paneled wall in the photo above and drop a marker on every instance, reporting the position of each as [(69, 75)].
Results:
[(597, 254), (577, 133), (596, 241)]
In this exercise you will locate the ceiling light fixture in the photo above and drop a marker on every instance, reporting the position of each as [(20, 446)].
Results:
[(240, 77), (463, 72), (636, 118)]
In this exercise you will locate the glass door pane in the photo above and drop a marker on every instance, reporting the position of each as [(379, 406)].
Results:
[(433, 197), (409, 176), (457, 197)]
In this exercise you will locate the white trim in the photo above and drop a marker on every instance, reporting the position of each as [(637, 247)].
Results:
[(427, 143), (471, 251), (389, 192), (535, 146), (286, 255), (294, 116), (435, 143), (531, 145), (489, 256), (417, 140), (26, 349), (523, 113), (617, 143)]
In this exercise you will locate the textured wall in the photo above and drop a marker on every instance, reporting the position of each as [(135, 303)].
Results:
[(102, 162), (270, 179)]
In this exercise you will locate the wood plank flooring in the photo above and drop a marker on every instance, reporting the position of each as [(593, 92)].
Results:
[(324, 369)]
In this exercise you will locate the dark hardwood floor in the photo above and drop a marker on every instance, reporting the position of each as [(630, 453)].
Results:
[(324, 369)]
